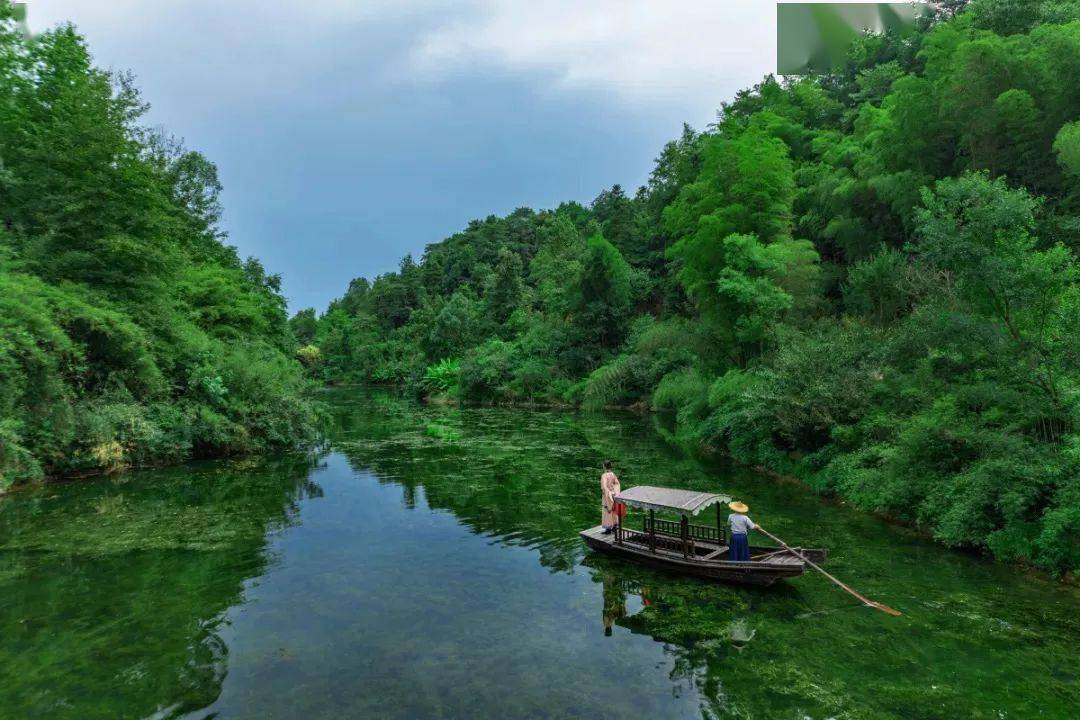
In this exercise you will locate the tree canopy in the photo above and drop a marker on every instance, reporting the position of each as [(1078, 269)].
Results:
[(130, 333)]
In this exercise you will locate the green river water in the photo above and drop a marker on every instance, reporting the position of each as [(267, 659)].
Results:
[(427, 565)]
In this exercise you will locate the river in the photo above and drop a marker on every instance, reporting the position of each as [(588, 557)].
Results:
[(427, 565)]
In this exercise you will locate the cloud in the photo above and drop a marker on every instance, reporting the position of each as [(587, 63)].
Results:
[(641, 51), (244, 44), (691, 54)]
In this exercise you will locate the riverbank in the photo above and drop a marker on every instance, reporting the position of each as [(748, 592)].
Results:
[(1027, 569), (119, 473), (696, 444)]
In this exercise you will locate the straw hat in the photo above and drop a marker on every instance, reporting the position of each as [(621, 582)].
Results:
[(738, 506)]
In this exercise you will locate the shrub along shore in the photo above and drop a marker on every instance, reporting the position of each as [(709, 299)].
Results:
[(867, 280)]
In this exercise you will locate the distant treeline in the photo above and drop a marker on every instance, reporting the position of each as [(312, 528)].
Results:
[(130, 334), (866, 279)]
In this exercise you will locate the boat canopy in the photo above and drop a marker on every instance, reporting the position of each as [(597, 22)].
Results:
[(685, 502)]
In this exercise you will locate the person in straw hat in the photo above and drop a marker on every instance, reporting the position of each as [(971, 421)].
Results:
[(740, 524)]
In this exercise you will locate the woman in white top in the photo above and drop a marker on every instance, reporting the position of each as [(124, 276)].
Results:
[(741, 525), (609, 488)]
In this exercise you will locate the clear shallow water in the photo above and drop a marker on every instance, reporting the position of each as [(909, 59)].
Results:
[(404, 575)]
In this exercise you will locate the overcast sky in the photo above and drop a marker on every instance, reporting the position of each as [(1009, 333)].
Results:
[(349, 133)]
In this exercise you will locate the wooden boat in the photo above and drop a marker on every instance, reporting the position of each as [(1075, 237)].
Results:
[(699, 550)]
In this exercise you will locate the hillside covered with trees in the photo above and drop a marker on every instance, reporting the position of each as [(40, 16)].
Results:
[(130, 334), (866, 279)]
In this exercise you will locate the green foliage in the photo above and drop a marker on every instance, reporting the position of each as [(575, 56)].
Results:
[(600, 303), (654, 349), (442, 377), (1005, 17), (733, 228), (879, 288), (745, 186), (309, 356), (504, 295), (981, 233), (304, 326), (609, 384), (456, 327), (686, 392), (486, 371), (130, 334), (621, 224), (1067, 147)]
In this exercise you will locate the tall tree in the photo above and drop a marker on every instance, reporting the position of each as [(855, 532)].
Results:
[(601, 301), (504, 295)]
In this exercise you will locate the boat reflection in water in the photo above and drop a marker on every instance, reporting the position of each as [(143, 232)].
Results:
[(614, 601)]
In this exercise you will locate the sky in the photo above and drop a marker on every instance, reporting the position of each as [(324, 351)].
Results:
[(349, 133)]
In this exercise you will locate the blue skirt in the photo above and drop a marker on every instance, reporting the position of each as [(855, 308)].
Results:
[(740, 547)]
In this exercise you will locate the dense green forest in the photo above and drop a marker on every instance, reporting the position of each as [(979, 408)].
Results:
[(130, 334), (866, 279)]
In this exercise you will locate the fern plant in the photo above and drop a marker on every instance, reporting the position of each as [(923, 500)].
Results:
[(442, 378)]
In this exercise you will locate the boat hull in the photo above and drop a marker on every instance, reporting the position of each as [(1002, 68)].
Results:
[(761, 573)]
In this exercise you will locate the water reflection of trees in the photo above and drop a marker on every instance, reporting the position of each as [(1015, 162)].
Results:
[(527, 478), (115, 592)]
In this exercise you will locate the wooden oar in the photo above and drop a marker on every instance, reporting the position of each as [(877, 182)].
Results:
[(774, 552), (866, 601)]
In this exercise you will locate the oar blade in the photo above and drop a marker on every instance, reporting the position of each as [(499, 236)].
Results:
[(867, 601), (885, 608)]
